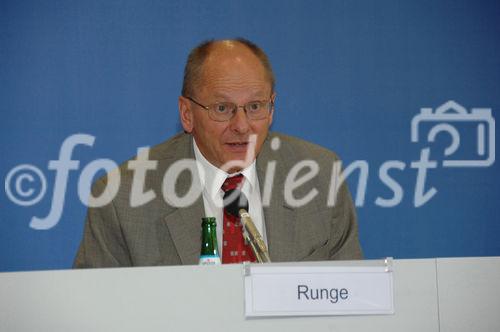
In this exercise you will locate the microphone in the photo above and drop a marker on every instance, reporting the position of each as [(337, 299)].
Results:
[(251, 233)]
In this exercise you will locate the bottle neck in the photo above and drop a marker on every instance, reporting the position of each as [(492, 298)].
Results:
[(209, 239)]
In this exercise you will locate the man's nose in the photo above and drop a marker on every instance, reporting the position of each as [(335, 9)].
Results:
[(239, 123)]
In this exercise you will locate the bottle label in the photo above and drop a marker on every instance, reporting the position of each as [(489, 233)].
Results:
[(209, 260)]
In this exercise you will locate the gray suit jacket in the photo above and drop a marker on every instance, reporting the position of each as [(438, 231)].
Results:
[(158, 233)]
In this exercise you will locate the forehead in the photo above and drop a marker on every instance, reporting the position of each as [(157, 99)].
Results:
[(233, 67)]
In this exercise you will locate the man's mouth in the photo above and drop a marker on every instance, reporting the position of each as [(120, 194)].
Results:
[(237, 147), (238, 144)]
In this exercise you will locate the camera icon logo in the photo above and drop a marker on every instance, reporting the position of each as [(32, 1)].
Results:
[(457, 122)]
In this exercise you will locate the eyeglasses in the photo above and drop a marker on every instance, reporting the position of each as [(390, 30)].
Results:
[(255, 110)]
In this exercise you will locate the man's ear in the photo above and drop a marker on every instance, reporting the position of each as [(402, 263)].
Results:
[(273, 99), (185, 114)]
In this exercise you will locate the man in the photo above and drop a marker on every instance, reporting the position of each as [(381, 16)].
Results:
[(226, 109)]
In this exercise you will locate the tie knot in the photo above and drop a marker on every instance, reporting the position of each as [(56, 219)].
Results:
[(232, 183)]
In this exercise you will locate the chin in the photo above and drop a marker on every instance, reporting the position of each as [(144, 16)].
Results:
[(235, 164)]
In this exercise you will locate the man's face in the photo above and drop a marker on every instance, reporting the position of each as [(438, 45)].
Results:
[(231, 73)]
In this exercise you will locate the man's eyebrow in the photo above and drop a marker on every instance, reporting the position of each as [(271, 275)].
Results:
[(254, 96), (221, 96), (260, 95)]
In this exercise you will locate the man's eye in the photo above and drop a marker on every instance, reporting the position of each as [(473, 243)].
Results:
[(221, 108), (255, 106)]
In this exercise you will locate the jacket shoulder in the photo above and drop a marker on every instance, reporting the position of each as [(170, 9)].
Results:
[(298, 149), (176, 147)]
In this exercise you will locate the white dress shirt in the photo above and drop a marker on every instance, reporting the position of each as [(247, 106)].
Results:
[(212, 179)]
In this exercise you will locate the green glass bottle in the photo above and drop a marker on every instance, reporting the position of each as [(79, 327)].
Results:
[(209, 251)]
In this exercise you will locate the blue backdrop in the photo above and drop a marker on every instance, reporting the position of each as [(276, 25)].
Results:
[(351, 76)]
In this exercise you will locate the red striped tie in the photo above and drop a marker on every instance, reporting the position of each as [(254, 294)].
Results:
[(234, 249)]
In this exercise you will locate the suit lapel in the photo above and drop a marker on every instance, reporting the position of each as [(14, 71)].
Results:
[(184, 223), (279, 218)]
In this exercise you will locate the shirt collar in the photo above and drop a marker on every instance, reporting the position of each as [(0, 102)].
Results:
[(212, 177)]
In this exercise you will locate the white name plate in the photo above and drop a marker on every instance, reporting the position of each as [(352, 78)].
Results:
[(314, 290)]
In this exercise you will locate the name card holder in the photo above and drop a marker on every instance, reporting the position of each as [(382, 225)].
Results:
[(319, 289)]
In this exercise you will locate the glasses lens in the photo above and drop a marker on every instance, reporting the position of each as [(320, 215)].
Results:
[(257, 110)]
